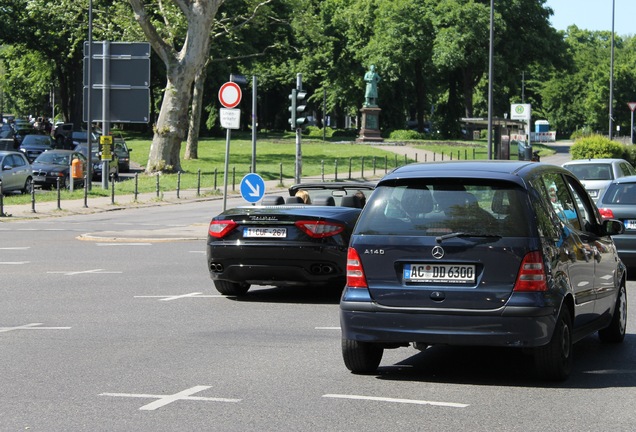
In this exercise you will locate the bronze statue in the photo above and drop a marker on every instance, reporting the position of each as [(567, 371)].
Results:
[(371, 93)]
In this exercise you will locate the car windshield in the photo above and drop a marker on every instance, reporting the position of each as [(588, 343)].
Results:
[(591, 171), (53, 158), (37, 140), (430, 207)]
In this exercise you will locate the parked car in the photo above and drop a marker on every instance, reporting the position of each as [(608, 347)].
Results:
[(22, 132), (80, 138), (123, 154), (285, 242), (98, 166), (596, 174), (619, 202), (54, 164), (15, 172), (34, 145), (62, 133), (480, 253)]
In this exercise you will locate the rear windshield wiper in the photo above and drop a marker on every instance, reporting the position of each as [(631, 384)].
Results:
[(441, 238)]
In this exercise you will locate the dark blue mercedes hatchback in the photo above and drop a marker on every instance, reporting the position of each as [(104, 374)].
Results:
[(493, 253)]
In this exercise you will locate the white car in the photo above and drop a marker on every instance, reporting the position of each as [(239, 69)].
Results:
[(15, 172), (597, 174)]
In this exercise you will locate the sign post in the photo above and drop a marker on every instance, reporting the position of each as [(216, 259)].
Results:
[(632, 107), (229, 96)]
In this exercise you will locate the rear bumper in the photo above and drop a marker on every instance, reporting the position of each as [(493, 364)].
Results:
[(508, 327), (278, 266)]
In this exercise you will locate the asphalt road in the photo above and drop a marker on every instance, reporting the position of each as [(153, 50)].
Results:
[(131, 335)]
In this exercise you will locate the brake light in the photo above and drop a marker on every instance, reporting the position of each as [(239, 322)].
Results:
[(606, 213), (355, 272), (531, 276), (320, 229), (220, 228)]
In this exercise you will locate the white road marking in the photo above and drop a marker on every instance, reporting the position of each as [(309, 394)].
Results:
[(14, 262), (163, 400), (123, 244), (32, 326), (72, 273), (327, 328), (16, 248), (197, 252), (177, 297), (611, 372), (393, 400)]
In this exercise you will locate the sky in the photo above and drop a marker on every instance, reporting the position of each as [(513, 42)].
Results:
[(594, 15)]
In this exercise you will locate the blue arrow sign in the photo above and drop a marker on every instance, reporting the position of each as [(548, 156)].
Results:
[(252, 187)]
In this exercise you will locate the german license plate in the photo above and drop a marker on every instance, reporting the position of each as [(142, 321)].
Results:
[(442, 273), (39, 178), (593, 193), (265, 232), (630, 224)]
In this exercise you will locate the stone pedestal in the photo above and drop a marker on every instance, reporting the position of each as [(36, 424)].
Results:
[(370, 130)]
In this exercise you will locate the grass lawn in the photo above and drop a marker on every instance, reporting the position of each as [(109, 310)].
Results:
[(275, 159)]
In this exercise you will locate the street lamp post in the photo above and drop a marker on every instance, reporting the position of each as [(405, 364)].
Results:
[(611, 97), (490, 77)]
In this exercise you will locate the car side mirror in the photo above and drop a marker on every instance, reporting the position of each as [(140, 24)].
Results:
[(613, 227), (6, 168)]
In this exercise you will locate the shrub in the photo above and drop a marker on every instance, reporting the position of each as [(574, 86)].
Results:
[(597, 146), (316, 132), (581, 133), (404, 134), (344, 133)]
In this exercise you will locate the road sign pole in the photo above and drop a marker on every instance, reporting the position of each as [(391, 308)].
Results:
[(299, 153), (105, 107), (227, 158), (631, 137)]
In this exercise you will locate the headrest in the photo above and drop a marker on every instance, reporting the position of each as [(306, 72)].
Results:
[(294, 200), (324, 201), (273, 200), (351, 201)]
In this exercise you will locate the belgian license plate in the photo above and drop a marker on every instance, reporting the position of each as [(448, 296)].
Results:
[(630, 224), (443, 273), (265, 232)]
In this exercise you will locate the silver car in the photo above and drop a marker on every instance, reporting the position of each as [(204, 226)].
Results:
[(15, 172), (597, 174)]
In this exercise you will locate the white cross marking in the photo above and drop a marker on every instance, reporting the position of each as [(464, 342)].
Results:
[(163, 400), (32, 326), (394, 400), (177, 297), (72, 273)]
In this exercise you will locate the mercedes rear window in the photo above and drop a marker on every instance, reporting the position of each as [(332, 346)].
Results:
[(434, 207)]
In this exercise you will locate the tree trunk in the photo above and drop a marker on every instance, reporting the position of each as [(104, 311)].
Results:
[(192, 145), (181, 68)]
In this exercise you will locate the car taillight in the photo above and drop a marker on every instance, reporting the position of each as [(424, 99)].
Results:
[(220, 228), (531, 276), (320, 229), (606, 213), (355, 272)]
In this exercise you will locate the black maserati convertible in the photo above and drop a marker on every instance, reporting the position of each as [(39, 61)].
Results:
[(297, 240)]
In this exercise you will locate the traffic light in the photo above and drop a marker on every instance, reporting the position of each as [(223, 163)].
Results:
[(297, 108)]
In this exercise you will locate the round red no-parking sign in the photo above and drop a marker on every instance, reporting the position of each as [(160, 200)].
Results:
[(230, 94)]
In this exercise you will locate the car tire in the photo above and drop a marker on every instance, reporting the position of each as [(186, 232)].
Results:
[(361, 357), (231, 288), (28, 186), (554, 360), (615, 332)]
